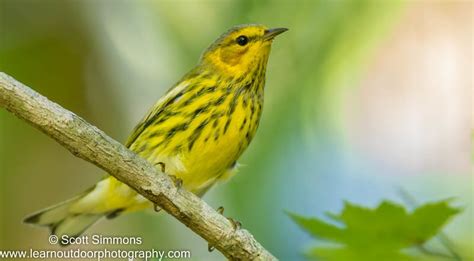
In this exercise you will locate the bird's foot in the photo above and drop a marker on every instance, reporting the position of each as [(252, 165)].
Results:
[(178, 183), (210, 247), (162, 166), (163, 169), (220, 210), (156, 208), (235, 223)]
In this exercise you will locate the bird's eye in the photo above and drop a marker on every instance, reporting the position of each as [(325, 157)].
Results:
[(242, 40)]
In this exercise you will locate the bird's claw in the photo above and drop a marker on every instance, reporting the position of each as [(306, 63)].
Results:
[(210, 247), (162, 166), (220, 210), (156, 208), (235, 223), (177, 181)]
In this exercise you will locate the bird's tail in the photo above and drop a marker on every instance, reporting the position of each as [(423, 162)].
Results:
[(62, 221)]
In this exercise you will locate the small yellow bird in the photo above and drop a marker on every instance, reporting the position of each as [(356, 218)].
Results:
[(197, 130)]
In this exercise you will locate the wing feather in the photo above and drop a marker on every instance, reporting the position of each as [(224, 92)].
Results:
[(171, 96)]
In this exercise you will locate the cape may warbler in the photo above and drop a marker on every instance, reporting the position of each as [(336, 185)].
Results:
[(197, 130)]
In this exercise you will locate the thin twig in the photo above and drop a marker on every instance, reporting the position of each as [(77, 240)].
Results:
[(91, 144)]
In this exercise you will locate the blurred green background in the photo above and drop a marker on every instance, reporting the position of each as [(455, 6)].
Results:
[(362, 98)]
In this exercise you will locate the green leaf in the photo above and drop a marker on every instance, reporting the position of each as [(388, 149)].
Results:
[(318, 228), (428, 219), (376, 233)]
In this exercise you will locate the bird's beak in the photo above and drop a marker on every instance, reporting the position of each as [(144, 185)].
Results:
[(271, 33)]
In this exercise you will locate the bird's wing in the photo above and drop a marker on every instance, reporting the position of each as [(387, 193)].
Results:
[(171, 96)]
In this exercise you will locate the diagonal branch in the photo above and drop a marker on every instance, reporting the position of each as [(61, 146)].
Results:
[(91, 144)]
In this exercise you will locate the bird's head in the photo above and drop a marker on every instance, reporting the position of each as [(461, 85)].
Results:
[(241, 49)]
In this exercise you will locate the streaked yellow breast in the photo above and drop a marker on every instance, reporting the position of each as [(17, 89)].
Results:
[(200, 131)]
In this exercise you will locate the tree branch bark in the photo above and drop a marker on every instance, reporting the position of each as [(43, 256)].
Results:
[(91, 144)]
